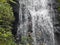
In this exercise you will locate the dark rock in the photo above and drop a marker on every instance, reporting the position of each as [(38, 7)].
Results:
[(15, 7)]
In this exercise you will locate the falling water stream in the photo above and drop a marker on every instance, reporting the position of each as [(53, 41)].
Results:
[(38, 15)]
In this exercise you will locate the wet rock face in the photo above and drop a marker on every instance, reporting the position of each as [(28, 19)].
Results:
[(56, 23), (56, 17), (16, 14), (57, 39)]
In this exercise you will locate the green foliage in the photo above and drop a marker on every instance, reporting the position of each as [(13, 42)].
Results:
[(5, 1), (58, 1), (26, 40), (6, 20), (58, 9)]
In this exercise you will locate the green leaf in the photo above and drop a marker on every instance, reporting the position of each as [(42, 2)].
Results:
[(12, 1), (3, 0)]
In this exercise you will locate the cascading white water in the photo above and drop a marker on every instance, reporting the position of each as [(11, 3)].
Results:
[(42, 27)]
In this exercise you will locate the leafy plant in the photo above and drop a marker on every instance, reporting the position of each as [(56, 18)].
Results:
[(6, 20), (4, 1)]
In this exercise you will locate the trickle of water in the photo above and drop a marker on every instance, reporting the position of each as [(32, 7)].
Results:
[(36, 13)]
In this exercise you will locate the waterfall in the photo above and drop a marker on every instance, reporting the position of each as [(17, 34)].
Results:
[(36, 16)]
